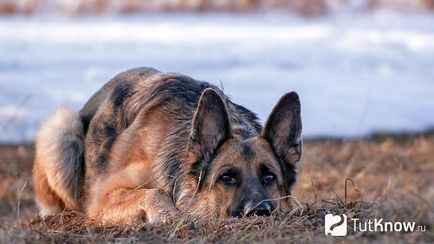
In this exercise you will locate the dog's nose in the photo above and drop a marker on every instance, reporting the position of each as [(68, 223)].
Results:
[(259, 209)]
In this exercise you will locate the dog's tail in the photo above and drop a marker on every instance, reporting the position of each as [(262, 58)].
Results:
[(58, 171)]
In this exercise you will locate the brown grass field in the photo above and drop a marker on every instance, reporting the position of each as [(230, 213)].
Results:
[(385, 176)]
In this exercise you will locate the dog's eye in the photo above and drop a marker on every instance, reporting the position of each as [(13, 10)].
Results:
[(228, 179), (269, 178)]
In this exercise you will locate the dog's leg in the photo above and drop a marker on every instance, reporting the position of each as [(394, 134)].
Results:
[(130, 206), (127, 198)]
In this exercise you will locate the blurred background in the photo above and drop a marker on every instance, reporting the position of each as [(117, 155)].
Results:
[(360, 66)]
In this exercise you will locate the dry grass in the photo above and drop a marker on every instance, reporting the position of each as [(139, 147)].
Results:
[(389, 177)]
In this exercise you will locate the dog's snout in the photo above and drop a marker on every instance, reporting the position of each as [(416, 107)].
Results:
[(258, 209)]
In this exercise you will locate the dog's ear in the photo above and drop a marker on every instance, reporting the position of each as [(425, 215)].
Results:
[(283, 129), (210, 127)]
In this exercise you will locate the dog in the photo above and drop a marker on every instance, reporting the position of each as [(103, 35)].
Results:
[(149, 145)]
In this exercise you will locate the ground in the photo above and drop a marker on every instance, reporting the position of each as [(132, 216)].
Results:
[(384, 176)]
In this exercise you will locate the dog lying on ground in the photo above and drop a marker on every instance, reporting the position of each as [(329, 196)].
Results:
[(150, 144)]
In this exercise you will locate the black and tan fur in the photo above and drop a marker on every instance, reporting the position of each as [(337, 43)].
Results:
[(150, 144)]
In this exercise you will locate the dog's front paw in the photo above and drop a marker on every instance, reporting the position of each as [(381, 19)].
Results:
[(159, 207), (164, 217)]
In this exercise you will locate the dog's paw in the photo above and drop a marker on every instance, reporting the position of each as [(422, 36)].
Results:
[(159, 207), (165, 217)]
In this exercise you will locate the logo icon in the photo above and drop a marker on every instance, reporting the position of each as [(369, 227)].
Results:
[(336, 225)]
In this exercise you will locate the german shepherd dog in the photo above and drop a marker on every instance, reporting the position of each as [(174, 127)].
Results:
[(149, 145)]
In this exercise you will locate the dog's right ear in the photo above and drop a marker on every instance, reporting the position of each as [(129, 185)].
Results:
[(210, 128)]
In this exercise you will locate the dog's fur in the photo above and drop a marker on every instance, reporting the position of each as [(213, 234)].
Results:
[(149, 144)]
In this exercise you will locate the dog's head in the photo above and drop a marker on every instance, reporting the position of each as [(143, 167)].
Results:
[(239, 177)]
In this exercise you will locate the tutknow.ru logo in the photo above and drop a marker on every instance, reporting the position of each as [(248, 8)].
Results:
[(336, 225)]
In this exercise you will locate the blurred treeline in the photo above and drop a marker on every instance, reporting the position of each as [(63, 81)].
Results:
[(302, 7)]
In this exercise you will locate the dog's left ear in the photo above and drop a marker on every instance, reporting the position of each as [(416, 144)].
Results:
[(283, 129), (210, 127)]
